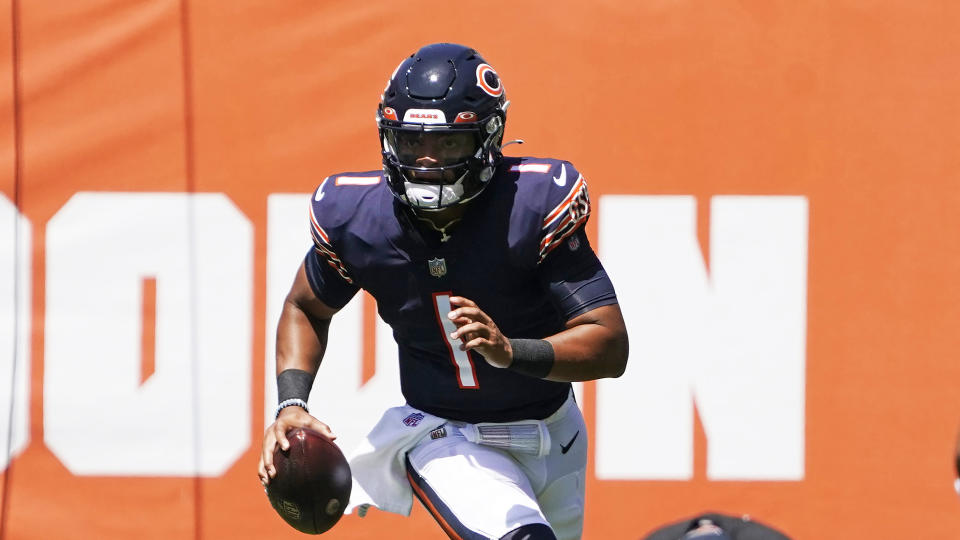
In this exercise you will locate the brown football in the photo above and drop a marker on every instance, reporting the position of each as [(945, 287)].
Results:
[(312, 486)]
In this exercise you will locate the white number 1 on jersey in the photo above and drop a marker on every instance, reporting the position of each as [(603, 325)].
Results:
[(466, 376)]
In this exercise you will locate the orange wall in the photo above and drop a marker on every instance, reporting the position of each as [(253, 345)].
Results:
[(852, 104)]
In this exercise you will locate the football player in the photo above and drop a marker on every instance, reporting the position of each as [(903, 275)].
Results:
[(480, 264)]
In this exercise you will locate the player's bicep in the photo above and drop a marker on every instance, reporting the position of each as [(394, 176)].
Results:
[(575, 279), (609, 316), (303, 326), (303, 296)]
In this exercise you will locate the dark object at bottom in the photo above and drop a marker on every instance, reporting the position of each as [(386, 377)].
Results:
[(716, 527), (312, 486)]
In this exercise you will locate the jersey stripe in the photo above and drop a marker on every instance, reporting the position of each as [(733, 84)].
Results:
[(321, 244), (317, 228), (580, 184), (566, 218)]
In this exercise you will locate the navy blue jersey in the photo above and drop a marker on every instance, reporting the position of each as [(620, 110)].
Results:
[(522, 234)]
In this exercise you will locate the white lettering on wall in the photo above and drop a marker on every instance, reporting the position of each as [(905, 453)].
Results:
[(733, 341), (15, 313), (192, 414)]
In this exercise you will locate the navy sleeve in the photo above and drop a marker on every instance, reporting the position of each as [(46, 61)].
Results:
[(326, 281), (574, 277), (326, 272)]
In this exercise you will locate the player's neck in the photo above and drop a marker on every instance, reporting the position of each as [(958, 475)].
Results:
[(442, 221)]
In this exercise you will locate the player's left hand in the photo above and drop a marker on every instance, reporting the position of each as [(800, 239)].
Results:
[(477, 331)]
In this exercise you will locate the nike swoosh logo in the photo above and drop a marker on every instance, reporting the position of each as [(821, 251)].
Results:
[(319, 195), (565, 448), (562, 180)]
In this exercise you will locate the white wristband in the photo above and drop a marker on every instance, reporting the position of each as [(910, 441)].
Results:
[(289, 403)]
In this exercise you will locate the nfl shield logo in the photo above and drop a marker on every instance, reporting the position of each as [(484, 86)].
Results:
[(438, 267), (413, 419)]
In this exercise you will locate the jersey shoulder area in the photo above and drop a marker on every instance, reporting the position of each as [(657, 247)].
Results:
[(543, 182), (346, 205), (556, 192), (340, 197)]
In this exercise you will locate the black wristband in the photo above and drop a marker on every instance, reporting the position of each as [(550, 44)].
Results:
[(293, 384), (532, 357)]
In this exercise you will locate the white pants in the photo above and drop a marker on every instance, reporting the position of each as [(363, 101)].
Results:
[(475, 491)]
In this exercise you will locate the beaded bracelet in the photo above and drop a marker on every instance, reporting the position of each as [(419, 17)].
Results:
[(290, 403)]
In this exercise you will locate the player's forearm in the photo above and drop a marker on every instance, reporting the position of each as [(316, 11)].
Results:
[(594, 346), (302, 330), (301, 340)]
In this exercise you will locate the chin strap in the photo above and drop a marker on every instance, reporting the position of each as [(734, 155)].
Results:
[(508, 143)]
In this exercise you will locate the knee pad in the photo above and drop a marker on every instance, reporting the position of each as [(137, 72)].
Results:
[(533, 531)]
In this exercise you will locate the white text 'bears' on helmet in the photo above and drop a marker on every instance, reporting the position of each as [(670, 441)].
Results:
[(441, 123)]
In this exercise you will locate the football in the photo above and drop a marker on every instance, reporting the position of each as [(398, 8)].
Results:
[(312, 486)]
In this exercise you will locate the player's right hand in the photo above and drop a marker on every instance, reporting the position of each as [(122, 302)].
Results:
[(290, 418)]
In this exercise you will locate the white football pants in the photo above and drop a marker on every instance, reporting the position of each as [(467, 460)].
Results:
[(479, 492)]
